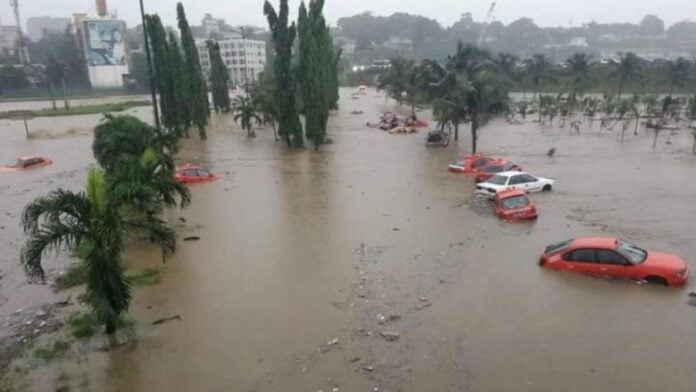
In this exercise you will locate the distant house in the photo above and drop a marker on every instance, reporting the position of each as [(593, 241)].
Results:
[(399, 44)]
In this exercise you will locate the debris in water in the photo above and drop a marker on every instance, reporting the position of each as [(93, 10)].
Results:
[(181, 218), (165, 319), (396, 229), (192, 238), (332, 341), (423, 299), (390, 336), (354, 359), (368, 368)]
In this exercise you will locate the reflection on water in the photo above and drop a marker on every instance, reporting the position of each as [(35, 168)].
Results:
[(372, 234)]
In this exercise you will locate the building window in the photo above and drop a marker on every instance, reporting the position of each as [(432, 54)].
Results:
[(227, 62), (234, 62)]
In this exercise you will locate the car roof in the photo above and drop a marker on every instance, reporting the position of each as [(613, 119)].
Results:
[(187, 167), (497, 162), (595, 242), (510, 193), (510, 173), (26, 158)]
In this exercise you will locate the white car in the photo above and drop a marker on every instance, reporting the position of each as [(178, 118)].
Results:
[(514, 180)]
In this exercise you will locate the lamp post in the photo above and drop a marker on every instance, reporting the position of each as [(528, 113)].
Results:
[(150, 72), (246, 73)]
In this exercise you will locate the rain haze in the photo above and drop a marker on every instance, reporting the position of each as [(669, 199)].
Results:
[(543, 12)]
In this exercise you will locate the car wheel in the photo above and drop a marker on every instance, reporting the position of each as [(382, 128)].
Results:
[(546, 188), (656, 280)]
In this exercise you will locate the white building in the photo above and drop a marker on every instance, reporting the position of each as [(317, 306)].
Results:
[(239, 55)]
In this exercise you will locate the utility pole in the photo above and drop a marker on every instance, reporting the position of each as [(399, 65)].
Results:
[(246, 73), (22, 49), (150, 72)]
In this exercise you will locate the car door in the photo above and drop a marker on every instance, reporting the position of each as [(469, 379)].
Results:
[(515, 182), (582, 260), (614, 265), (203, 175), (529, 183)]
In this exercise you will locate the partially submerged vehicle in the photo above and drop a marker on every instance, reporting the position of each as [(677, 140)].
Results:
[(438, 137), (469, 163), (615, 258), (514, 180), (513, 204), (494, 167), (26, 163), (189, 174)]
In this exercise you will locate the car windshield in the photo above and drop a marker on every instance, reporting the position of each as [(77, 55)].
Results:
[(497, 180), (515, 202), (492, 169), (16, 163), (633, 253)]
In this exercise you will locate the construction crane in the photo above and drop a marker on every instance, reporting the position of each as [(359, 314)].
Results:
[(489, 18), (21, 42)]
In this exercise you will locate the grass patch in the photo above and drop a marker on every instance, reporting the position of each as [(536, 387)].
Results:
[(83, 109), (146, 277), (49, 353), (82, 325), (75, 275)]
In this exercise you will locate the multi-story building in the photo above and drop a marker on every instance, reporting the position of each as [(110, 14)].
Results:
[(38, 26), (241, 56), (8, 40)]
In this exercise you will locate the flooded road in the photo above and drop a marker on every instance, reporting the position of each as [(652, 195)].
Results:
[(367, 266)]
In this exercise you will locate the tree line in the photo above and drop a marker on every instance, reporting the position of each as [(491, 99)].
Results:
[(473, 85)]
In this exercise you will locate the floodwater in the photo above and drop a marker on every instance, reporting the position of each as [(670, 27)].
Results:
[(305, 257)]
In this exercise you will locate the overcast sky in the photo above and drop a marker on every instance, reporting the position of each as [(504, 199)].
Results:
[(544, 12)]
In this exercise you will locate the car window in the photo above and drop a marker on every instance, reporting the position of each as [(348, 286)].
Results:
[(202, 173), (514, 202), (32, 162), (527, 178), (605, 256), (581, 256), (190, 173), (497, 180), (493, 169), (515, 180), (479, 162), (635, 254), (16, 163)]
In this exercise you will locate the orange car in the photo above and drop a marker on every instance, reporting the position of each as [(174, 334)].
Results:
[(188, 174), (469, 164), (616, 258), (513, 204), (25, 163)]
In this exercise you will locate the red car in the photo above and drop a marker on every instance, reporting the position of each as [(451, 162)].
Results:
[(188, 174), (494, 167), (25, 163), (617, 258), (513, 204), (469, 164)]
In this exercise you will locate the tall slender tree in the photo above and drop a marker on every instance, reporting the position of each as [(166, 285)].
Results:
[(176, 64), (626, 70), (195, 87), (283, 34), (219, 78), (164, 73), (678, 73)]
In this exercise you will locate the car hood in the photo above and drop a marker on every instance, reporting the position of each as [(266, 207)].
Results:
[(664, 260)]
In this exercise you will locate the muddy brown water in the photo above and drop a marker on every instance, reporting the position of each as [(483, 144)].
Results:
[(305, 257)]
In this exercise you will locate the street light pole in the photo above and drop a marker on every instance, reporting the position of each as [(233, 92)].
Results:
[(246, 73), (150, 72)]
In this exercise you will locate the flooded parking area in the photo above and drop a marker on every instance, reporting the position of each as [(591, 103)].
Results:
[(367, 266)]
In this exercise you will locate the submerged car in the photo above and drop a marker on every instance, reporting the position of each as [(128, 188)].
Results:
[(494, 167), (513, 204), (616, 258), (514, 180), (469, 164), (190, 174), (24, 163)]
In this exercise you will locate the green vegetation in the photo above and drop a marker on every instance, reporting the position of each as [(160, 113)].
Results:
[(75, 275), (283, 33), (245, 112), (83, 109), (51, 352), (219, 78), (82, 325), (146, 277)]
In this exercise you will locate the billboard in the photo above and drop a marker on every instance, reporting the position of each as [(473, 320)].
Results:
[(105, 43)]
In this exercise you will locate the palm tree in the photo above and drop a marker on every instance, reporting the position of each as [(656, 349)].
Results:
[(539, 69), (395, 78), (627, 70), (265, 102), (579, 67), (635, 108), (472, 89), (691, 112), (506, 63), (678, 73), (245, 112), (93, 226)]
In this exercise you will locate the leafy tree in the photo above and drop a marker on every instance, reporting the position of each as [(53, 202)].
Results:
[(194, 82), (183, 107), (93, 226), (473, 89), (138, 70), (539, 69), (579, 68), (245, 112), (219, 78), (12, 78), (164, 74), (627, 70), (395, 78), (678, 73), (289, 126), (264, 100), (62, 57)]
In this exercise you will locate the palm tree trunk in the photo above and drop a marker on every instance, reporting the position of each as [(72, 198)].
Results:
[(275, 132), (474, 133), (456, 130), (635, 130), (621, 83)]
